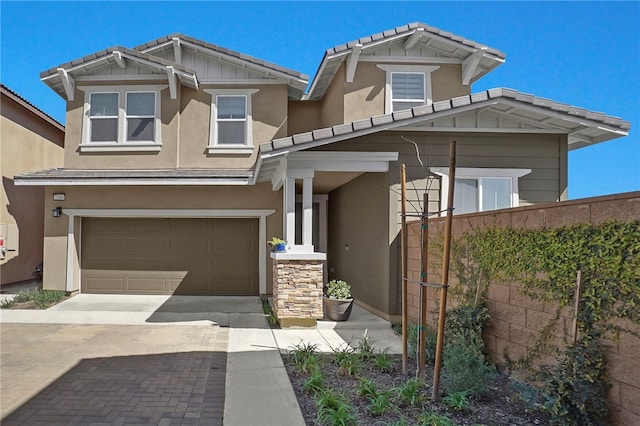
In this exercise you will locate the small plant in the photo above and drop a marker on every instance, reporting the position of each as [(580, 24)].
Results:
[(457, 401), (429, 418), (305, 357), (350, 365), (341, 353), (7, 303), (383, 362), (333, 409), (338, 289), (381, 404), (272, 319), (412, 342), (464, 365), (366, 388), (365, 347), (315, 383), (274, 241), (410, 393)]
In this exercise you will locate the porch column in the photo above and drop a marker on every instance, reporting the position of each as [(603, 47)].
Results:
[(290, 210), (307, 211)]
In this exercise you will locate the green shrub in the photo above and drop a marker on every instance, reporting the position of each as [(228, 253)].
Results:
[(429, 418), (305, 357), (383, 362), (381, 404), (410, 393), (466, 319), (42, 299), (333, 409), (575, 391), (365, 347), (351, 365), (315, 383), (412, 342), (464, 365), (366, 388), (457, 401)]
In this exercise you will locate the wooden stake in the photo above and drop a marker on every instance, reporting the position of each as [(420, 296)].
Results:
[(576, 305), (445, 271), (424, 225), (403, 237)]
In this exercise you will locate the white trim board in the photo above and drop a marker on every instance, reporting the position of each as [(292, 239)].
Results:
[(260, 214)]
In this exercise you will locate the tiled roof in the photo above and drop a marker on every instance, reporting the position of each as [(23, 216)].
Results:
[(28, 104), (404, 117), (410, 27), (109, 51), (229, 52)]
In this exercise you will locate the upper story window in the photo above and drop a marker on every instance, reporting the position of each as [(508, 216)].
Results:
[(482, 189), (407, 90), (121, 118), (231, 129), (407, 86)]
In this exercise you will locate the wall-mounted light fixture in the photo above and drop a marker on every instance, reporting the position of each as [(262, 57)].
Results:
[(59, 197), (56, 212)]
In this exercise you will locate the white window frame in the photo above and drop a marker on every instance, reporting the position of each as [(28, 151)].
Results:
[(246, 148), (86, 145), (426, 70), (479, 174)]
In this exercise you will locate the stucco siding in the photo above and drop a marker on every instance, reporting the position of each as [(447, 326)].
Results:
[(364, 97), (358, 241), (332, 109), (90, 197), (304, 116), (185, 129), (446, 82), (27, 143)]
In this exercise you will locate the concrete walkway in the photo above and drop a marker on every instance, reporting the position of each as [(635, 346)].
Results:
[(257, 388)]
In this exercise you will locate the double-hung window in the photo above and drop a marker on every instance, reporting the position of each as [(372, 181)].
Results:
[(481, 189), (407, 86), (121, 118), (407, 90), (230, 130)]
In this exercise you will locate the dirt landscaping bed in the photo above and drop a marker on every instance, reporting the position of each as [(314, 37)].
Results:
[(371, 395)]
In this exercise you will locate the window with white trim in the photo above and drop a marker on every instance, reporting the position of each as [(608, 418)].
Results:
[(407, 90), (121, 118), (482, 189), (407, 86), (231, 129)]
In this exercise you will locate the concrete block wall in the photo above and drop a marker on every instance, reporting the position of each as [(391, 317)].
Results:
[(516, 319), (297, 291)]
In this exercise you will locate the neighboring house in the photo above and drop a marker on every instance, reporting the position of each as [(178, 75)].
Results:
[(182, 158), (30, 140)]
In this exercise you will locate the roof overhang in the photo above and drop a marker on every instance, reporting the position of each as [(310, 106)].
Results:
[(495, 110), (171, 177), (296, 81), (62, 79), (476, 59)]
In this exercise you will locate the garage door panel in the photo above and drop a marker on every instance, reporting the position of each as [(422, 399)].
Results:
[(165, 256), (188, 247), (156, 246), (147, 285), (98, 283)]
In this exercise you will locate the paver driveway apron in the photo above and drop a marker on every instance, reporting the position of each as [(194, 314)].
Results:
[(148, 360)]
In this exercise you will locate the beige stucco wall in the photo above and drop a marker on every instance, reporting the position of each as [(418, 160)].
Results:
[(304, 116), (364, 97), (184, 131), (332, 103), (28, 143), (145, 197)]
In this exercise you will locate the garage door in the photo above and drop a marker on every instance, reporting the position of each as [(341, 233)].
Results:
[(170, 256)]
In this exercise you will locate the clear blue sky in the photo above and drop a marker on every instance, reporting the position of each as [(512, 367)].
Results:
[(582, 53)]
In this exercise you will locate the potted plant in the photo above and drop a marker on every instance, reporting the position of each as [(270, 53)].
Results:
[(338, 300), (277, 245)]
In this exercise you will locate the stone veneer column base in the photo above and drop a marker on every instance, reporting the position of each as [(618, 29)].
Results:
[(297, 288)]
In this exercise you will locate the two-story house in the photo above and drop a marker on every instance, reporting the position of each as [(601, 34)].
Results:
[(182, 158)]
